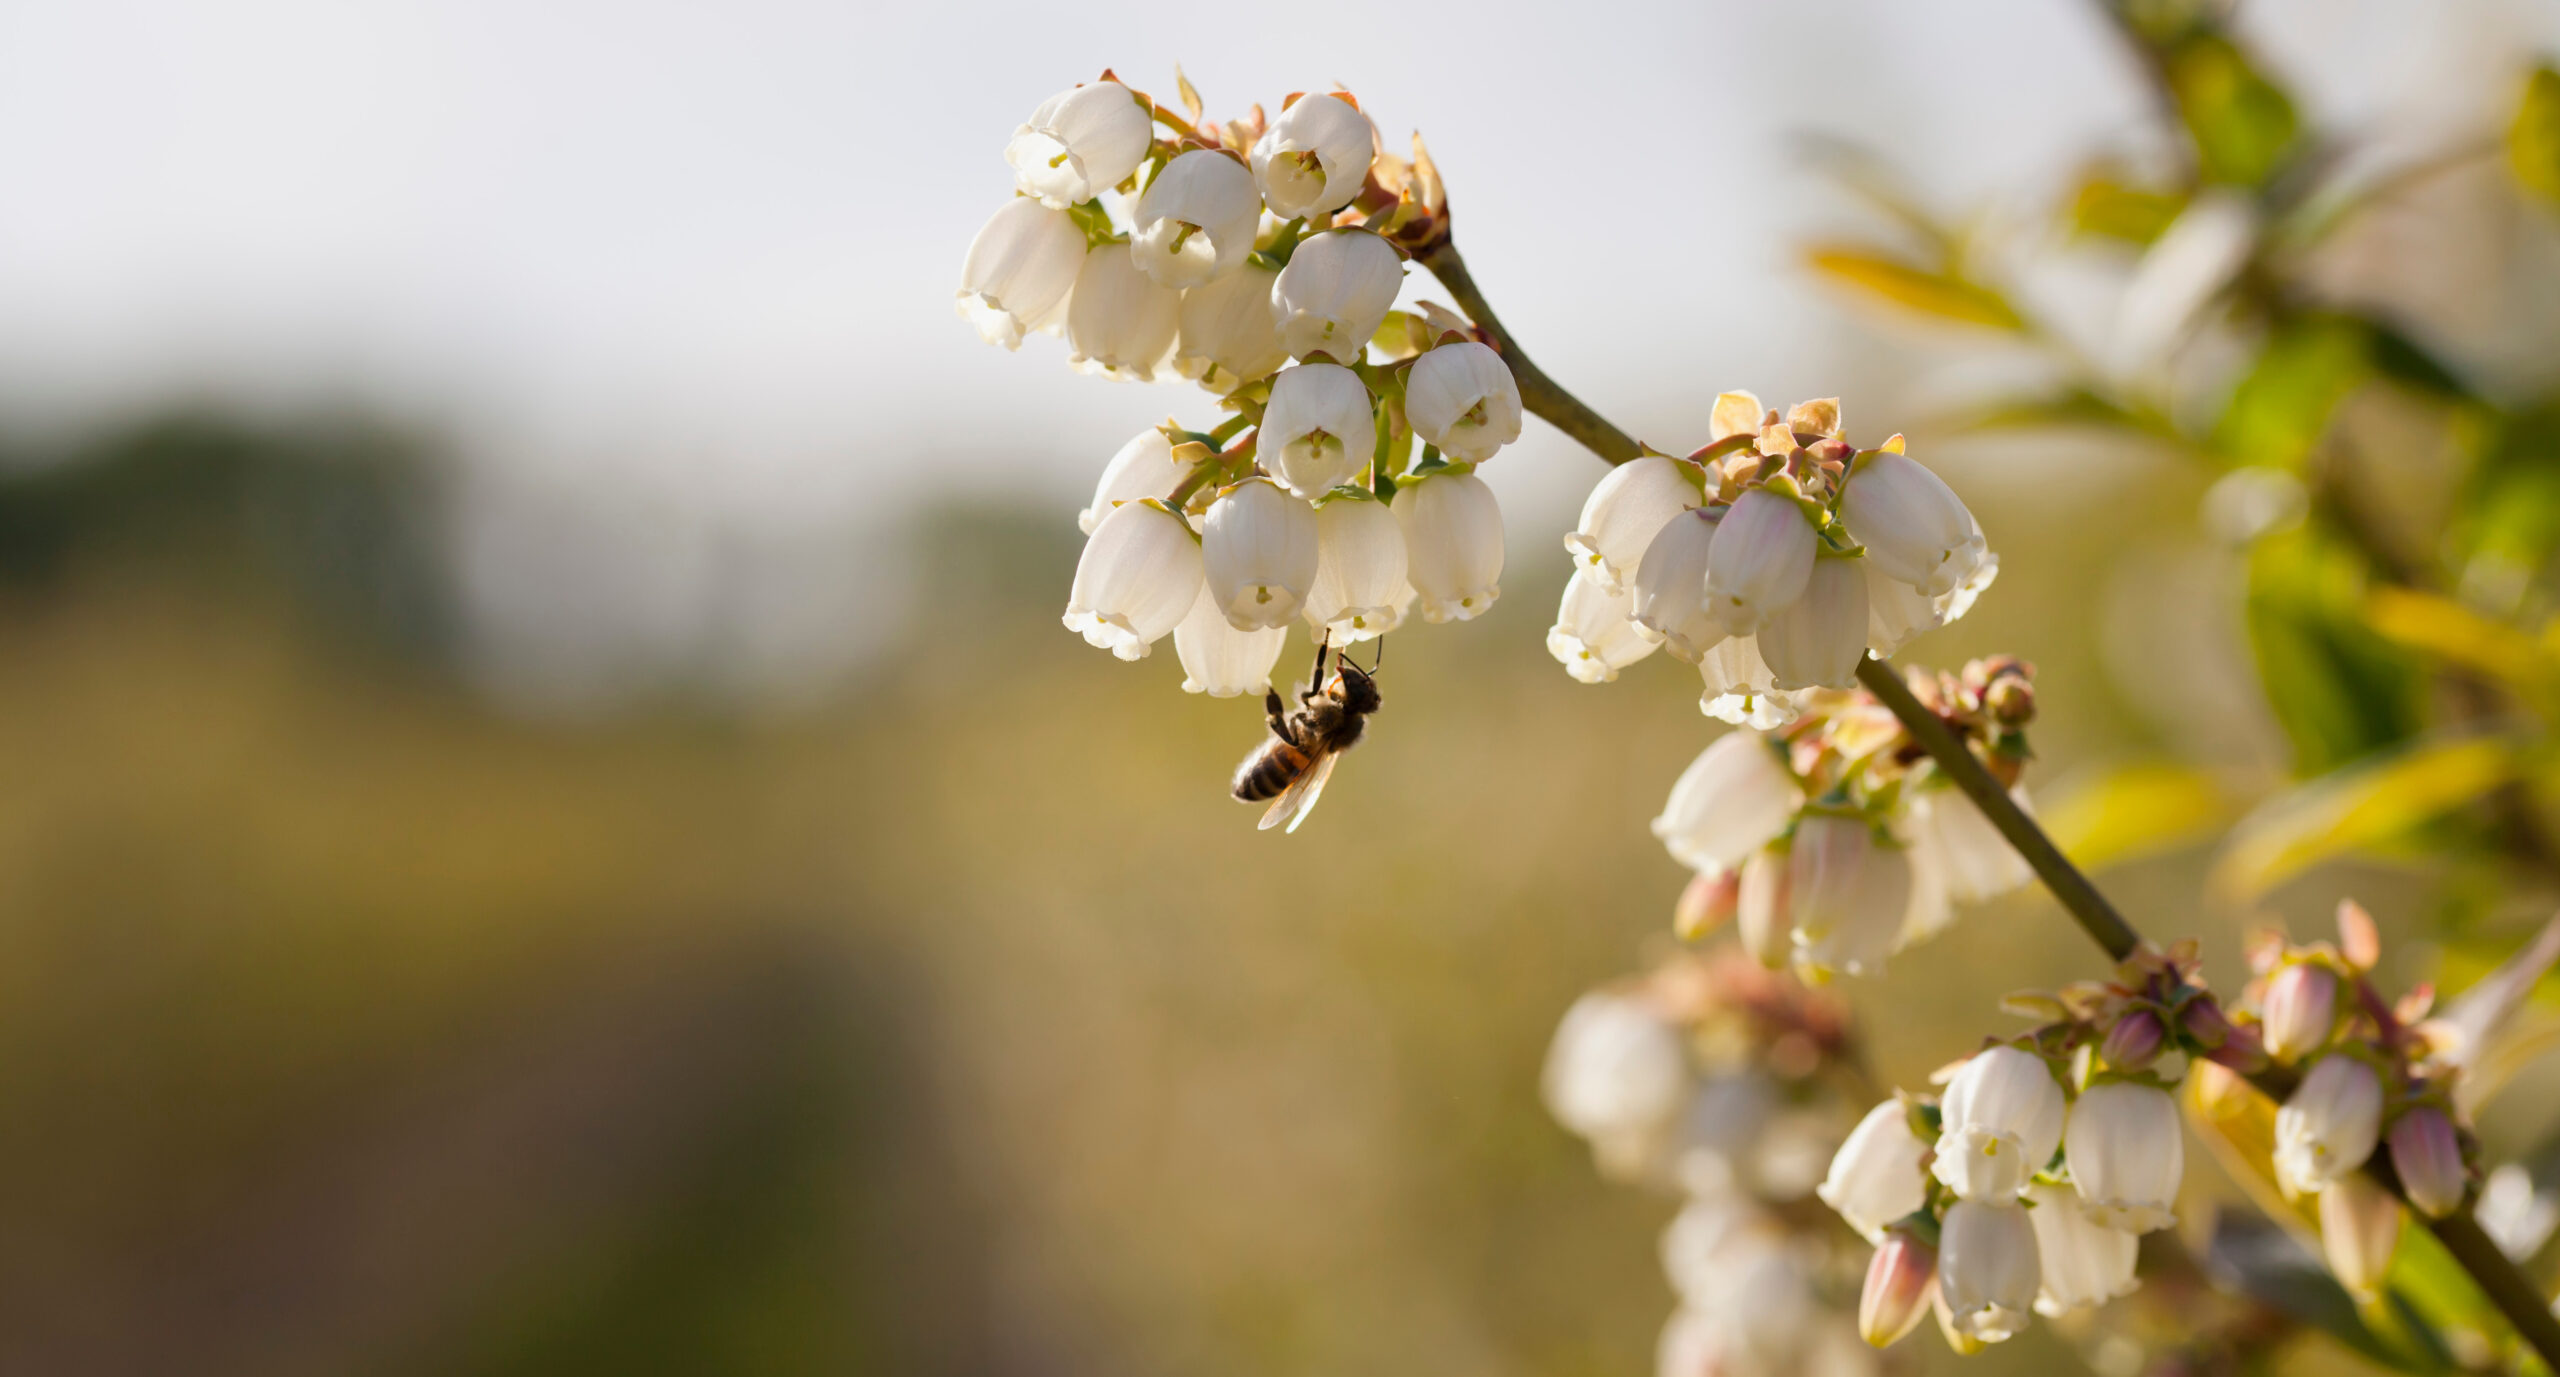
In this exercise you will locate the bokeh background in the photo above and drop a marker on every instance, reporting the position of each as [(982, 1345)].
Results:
[(548, 824)]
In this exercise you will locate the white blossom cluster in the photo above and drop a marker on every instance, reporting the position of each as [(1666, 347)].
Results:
[(1821, 851), (1773, 559), (1707, 1080), (1224, 254)]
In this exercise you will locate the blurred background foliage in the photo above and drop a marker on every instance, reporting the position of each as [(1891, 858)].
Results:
[(952, 1020)]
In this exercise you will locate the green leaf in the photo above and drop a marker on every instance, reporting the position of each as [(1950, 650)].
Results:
[(2135, 811), (2533, 141), (2243, 125), (2284, 402), (2258, 1260), (2339, 690), (2368, 804), (1943, 295), (2448, 630), (2508, 515), (2104, 208)]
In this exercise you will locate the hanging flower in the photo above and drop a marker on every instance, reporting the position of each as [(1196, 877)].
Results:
[(1258, 545), (1460, 397), (2126, 1153), (1738, 688), (1846, 894), (1137, 579), (1314, 158), (1999, 1123), (1120, 324), (1817, 640), (1080, 143), (1226, 336), (1593, 637), (1335, 293), (1615, 1068), (1989, 1270), (2082, 1262), (1876, 1178), (1019, 271), (1219, 660), (1360, 590), (2359, 1232), (1761, 560), (1913, 525), (1626, 510), (1669, 594), (2330, 1126), (1732, 800), (1317, 431), (1196, 220), (1453, 544)]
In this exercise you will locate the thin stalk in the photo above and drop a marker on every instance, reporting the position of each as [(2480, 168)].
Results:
[(2506, 1285)]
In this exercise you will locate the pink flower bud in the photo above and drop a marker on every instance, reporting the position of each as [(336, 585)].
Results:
[(1900, 1280), (2134, 1042), (2221, 1040), (2429, 1159), (2302, 1007), (1708, 903)]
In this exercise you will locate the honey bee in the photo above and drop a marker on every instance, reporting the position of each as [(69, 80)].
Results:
[(1291, 768)]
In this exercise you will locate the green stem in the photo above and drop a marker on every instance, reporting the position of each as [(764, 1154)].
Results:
[(1539, 394)]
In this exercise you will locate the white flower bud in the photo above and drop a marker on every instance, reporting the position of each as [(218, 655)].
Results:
[(1318, 429), (1670, 585), (1626, 510), (2359, 1231), (1914, 526), (1360, 590), (1219, 660), (1733, 799), (1760, 909), (1196, 220), (1315, 157), (1762, 558), (1737, 687), (1258, 545), (1461, 397), (2082, 1262), (2301, 1009), (2330, 1126), (1120, 324), (1080, 143), (1227, 337), (1999, 1123), (1847, 895), (2126, 1154), (1137, 579), (1818, 640), (1019, 271), (1975, 861), (1988, 1269), (1453, 544), (1593, 638), (1615, 1067), (1335, 293), (1144, 467), (1876, 1178)]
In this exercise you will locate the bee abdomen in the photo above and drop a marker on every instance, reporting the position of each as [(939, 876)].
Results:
[(1268, 771)]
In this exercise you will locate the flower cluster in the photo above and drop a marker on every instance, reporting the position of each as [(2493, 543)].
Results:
[(1835, 843), (1262, 258), (1971, 1211), (1720, 1082), (1773, 559)]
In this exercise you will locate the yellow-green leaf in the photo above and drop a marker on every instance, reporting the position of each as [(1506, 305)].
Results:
[(2448, 630), (2107, 209), (2243, 124), (2533, 141), (2363, 805), (1931, 293), (2135, 811)]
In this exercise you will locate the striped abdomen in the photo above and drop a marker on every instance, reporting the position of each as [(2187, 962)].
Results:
[(1268, 771)]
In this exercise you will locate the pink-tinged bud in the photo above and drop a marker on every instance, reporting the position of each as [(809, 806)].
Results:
[(2302, 1007), (2134, 1042), (2220, 1039), (2429, 1159), (1760, 915), (1709, 903), (1901, 1278), (2330, 1126), (2359, 1231)]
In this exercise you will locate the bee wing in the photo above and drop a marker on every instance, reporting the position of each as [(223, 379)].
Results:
[(1299, 799)]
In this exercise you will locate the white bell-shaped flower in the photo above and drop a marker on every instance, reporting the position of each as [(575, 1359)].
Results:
[(1762, 558), (1335, 293), (1847, 894), (2083, 1262), (1897, 613), (1760, 908), (1703, 1240), (1737, 686), (1914, 526), (2330, 1125), (1019, 271), (1669, 591), (1593, 637), (1196, 220), (1615, 1067), (1930, 911), (2359, 1232), (1818, 640), (1977, 568), (1258, 545), (2127, 1154), (1360, 590), (1876, 1178), (1315, 157), (1999, 1123), (1453, 544), (1735, 798), (1318, 430), (1627, 508), (1080, 143), (1226, 335), (1144, 467), (1989, 1269), (1219, 660), (1766, 1302), (1978, 864), (1120, 324), (1461, 397), (1137, 579)]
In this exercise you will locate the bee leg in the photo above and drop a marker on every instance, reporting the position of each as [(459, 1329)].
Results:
[(1279, 714)]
